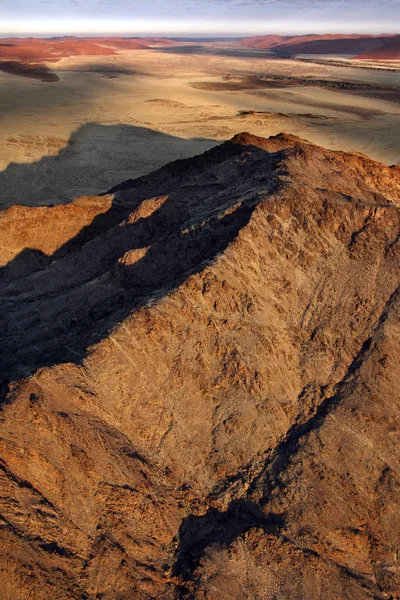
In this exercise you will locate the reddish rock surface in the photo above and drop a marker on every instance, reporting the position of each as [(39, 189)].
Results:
[(200, 376)]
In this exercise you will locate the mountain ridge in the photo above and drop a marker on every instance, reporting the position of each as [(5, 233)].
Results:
[(201, 370)]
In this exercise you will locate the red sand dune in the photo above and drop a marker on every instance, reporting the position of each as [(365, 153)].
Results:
[(321, 44), (132, 43), (29, 49), (387, 52), (33, 49), (263, 41)]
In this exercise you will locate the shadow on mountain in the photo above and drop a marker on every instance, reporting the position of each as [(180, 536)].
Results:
[(55, 307), (95, 158), (218, 529)]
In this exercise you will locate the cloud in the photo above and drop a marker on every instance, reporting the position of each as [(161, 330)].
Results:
[(234, 17)]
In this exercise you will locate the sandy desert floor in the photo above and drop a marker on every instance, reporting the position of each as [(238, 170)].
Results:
[(110, 118)]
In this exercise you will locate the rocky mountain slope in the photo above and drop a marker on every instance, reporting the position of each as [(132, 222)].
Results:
[(200, 376)]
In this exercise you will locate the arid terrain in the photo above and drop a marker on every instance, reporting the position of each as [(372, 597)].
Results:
[(81, 123), (355, 44), (199, 328), (389, 52), (200, 375)]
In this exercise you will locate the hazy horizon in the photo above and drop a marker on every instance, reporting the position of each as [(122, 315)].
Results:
[(183, 37), (207, 18)]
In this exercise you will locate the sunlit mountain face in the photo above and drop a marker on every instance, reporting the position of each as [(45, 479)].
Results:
[(190, 17)]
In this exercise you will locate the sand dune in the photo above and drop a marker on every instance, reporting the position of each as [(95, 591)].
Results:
[(387, 52), (321, 44), (124, 114), (32, 49)]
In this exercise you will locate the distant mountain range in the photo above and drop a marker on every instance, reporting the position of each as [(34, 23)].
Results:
[(33, 50)]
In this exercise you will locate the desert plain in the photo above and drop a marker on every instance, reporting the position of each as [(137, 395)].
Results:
[(116, 116)]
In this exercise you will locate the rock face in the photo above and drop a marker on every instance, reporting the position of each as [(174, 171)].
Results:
[(200, 376)]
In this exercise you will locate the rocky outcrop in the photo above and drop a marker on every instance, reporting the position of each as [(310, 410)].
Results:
[(199, 376)]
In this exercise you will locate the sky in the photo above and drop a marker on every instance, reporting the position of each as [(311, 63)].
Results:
[(197, 17)]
